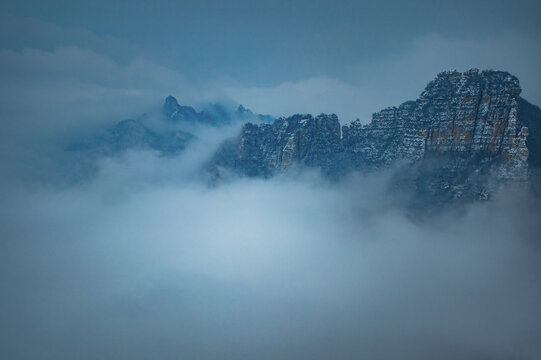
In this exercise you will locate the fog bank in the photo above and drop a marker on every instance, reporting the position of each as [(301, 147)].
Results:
[(130, 267)]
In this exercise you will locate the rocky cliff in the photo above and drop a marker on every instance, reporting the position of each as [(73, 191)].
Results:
[(466, 135), (301, 140)]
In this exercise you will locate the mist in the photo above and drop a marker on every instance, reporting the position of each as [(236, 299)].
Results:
[(147, 259), (142, 262)]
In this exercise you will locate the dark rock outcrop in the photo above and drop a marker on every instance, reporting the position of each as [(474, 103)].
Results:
[(467, 134), (301, 140)]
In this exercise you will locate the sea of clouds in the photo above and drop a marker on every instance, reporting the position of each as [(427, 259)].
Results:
[(145, 260)]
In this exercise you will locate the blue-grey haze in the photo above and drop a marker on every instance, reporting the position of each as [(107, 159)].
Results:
[(144, 261)]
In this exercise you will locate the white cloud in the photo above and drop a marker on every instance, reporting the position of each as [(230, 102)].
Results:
[(134, 267), (316, 95), (144, 262)]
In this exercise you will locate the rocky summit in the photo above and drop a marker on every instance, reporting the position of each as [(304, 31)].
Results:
[(466, 135)]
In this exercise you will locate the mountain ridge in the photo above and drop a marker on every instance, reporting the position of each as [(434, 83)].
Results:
[(466, 135)]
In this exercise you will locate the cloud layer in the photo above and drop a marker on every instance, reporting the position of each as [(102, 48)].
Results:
[(145, 263)]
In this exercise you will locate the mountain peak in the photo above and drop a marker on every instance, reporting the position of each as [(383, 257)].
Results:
[(171, 100), (472, 81), (241, 110), (170, 106)]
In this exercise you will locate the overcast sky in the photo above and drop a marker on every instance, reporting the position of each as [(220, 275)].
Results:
[(281, 57)]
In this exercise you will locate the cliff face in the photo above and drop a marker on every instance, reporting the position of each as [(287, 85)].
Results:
[(301, 140), (465, 135), (460, 113)]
